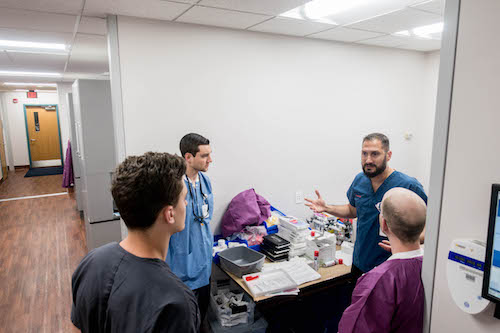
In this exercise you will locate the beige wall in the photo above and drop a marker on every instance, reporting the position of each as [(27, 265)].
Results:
[(473, 158)]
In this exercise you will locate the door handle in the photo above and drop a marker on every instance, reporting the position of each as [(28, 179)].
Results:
[(32, 139)]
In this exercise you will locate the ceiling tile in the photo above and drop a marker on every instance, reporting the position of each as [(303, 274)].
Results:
[(89, 54), (34, 62), (421, 44), (268, 7), (155, 9), (288, 26), (433, 6), (26, 20), (36, 36), (221, 17), (387, 41), (346, 35), (73, 7), (404, 19), (92, 25)]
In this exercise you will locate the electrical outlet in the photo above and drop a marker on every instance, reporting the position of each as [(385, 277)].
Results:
[(299, 197)]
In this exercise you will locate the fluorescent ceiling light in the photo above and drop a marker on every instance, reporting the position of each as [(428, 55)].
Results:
[(25, 90), (428, 30), (30, 84), (431, 31), (320, 10), (14, 73), (32, 45)]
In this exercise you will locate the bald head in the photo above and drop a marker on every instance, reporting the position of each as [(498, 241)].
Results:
[(404, 211)]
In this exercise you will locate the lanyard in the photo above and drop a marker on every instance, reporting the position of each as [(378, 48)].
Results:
[(194, 198)]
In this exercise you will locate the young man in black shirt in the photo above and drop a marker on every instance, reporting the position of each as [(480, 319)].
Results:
[(128, 287)]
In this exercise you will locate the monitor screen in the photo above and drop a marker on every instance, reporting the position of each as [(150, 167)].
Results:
[(491, 282)]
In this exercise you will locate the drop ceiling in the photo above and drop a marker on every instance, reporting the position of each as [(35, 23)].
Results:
[(81, 25)]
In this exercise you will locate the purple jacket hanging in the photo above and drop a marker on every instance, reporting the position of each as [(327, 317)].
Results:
[(68, 178)]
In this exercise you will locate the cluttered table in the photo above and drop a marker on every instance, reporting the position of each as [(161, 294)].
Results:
[(327, 273)]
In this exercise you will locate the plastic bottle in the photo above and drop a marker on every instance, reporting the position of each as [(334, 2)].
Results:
[(316, 260)]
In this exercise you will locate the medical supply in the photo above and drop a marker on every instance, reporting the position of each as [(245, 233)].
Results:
[(254, 235), (342, 228), (347, 248), (232, 308), (325, 245), (275, 247), (241, 260), (235, 244), (316, 260), (297, 268), (221, 246), (333, 263), (293, 224), (294, 232), (267, 283)]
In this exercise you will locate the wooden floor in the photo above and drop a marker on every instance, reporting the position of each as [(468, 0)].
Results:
[(42, 241), (17, 186)]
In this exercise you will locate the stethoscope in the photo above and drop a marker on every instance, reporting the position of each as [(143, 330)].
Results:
[(197, 217)]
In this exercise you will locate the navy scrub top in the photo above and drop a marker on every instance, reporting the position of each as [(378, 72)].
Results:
[(367, 253)]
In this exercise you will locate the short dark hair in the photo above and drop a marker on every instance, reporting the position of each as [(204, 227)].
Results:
[(407, 228), (143, 185), (190, 143), (378, 136)]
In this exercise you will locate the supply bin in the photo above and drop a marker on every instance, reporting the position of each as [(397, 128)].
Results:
[(241, 260)]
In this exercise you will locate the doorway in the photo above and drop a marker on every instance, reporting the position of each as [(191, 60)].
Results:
[(44, 135)]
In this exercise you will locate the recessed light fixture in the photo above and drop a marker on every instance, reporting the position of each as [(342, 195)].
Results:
[(30, 84), (321, 10), (15, 73), (431, 31), (32, 45)]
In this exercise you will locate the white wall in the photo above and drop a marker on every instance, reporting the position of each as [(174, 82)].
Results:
[(282, 113), (472, 158), (17, 127)]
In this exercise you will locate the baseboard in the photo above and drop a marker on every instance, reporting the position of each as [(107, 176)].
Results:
[(21, 167)]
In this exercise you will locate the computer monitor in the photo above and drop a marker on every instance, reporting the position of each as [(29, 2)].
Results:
[(491, 279)]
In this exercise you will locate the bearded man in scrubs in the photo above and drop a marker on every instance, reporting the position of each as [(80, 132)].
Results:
[(390, 297), (365, 195), (190, 251)]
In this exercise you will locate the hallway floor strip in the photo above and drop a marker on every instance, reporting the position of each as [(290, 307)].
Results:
[(34, 196)]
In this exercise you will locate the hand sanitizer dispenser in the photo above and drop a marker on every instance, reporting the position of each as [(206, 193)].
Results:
[(465, 268)]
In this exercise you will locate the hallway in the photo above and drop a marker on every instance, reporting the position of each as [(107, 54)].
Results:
[(42, 240)]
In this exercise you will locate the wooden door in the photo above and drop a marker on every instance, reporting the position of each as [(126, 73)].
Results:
[(5, 172), (43, 134)]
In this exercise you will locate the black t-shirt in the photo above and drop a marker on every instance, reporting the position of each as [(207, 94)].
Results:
[(115, 291)]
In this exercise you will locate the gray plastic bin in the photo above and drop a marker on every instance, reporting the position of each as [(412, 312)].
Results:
[(241, 260)]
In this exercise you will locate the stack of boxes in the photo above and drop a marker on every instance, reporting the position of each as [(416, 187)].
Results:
[(296, 233), (275, 247)]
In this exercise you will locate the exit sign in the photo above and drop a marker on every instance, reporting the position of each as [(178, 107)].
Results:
[(32, 94)]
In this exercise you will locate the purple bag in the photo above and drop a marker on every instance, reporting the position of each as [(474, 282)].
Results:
[(247, 208)]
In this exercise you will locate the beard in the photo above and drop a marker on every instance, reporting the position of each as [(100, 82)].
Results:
[(378, 169)]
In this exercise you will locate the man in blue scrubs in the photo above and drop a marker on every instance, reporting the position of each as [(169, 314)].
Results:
[(190, 251), (364, 195)]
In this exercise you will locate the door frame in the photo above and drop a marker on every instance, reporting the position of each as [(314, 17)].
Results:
[(27, 133)]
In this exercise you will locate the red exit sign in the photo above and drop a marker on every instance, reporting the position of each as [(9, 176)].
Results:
[(32, 94)]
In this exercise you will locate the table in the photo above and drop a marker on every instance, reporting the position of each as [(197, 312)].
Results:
[(328, 274)]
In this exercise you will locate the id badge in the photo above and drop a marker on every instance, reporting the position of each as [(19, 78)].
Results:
[(204, 210)]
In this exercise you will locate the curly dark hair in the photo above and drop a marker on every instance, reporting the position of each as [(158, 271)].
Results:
[(143, 185)]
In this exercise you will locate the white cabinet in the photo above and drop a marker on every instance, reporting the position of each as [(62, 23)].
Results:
[(95, 155)]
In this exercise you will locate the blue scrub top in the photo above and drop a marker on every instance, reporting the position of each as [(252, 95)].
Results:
[(190, 251), (367, 253)]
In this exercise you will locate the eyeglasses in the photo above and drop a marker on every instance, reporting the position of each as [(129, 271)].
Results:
[(378, 205)]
